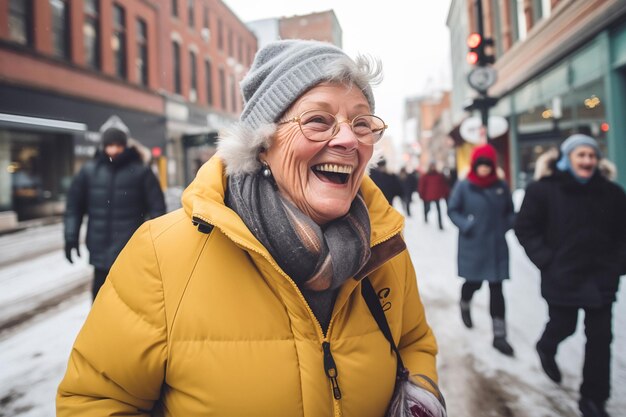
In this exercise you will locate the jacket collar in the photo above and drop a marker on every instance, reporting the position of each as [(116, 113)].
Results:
[(203, 201)]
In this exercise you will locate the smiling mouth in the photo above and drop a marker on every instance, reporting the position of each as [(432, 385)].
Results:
[(337, 174)]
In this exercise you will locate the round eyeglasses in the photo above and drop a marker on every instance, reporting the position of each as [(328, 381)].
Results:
[(321, 126)]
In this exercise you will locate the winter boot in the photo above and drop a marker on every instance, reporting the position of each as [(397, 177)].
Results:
[(549, 365), (591, 408), (499, 337), (465, 314)]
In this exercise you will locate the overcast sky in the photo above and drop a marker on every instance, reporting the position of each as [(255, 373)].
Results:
[(410, 38)]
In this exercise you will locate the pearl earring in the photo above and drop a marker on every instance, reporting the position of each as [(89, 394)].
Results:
[(266, 172)]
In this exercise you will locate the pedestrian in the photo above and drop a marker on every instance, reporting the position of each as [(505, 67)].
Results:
[(117, 192), (388, 182), (572, 226), (433, 187), (482, 208), (409, 181), (247, 302)]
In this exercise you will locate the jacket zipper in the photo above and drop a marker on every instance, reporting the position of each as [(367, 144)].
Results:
[(331, 370)]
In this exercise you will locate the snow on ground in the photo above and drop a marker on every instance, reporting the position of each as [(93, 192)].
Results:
[(474, 376), (33, 359), (476, 379)]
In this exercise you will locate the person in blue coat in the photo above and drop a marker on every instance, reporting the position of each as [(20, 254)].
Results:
[(482, 208)]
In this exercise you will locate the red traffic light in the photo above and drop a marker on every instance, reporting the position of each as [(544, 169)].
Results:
[(472, 58), (474, 40)]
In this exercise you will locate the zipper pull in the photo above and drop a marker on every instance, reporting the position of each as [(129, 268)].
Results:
[(331, 370)]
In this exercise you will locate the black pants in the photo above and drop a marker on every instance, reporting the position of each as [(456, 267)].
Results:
[(496, 298), (99, 276), (427, 209), (596, 383), (406, 200)]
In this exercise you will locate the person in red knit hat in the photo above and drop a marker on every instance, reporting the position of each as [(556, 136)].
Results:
[(482, 208)]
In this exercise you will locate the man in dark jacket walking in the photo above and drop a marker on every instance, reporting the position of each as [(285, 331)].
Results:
[(573, 228), (118, 192), (388, 183)]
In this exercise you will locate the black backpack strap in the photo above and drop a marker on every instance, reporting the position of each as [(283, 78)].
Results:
[(371, 299), (402, 373), (203, 227)]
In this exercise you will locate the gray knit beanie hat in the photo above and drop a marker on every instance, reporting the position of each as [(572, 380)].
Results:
[(114, 131), (576, 140), (281, 72)]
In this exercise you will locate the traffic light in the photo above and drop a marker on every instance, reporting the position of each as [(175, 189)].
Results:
[(477, 54)]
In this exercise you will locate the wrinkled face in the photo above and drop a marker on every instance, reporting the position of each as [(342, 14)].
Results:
[(321, 178), (113, 150), (483, 170), (584, 161)]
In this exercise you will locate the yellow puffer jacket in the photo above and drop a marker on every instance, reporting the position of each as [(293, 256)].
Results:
[(207, 324)]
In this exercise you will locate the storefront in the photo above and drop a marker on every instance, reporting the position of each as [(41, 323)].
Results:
[(45, 139), (584, 92), (192, 131)]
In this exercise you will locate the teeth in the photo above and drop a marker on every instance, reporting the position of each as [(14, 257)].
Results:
[(341, 169)]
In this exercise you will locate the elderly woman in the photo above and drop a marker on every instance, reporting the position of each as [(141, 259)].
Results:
[(247, 302), (573, 228)]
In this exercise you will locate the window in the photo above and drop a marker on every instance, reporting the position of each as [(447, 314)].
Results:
[(142, 52), (190, 13), (60, 28), (222, 88), (91, 33), (521, 20), (220, 38), (208, 73), (230, 42), (239, 49), (193, 72), (233, 94), (176, 60), (205, 17), (20, 21), (118, 41), (174, 6)]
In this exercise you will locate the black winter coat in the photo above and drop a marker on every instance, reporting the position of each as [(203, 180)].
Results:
[(388, 183), (576, 235), (118, 196)]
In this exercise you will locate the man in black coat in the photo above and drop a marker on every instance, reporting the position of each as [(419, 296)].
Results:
[(118, 192), (572, 226), (388, 183)]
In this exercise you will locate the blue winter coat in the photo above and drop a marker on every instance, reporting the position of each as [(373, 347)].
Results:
[(483, 216)]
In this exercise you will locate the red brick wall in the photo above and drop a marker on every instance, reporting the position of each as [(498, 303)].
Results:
[(37, 67), (178, 28), (318, 26)]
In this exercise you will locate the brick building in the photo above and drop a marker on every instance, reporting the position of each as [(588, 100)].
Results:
[(206, 51), (321, 26), (432, 124), (168, 68)]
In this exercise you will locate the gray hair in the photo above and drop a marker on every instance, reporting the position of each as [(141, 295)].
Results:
[(240, 144)]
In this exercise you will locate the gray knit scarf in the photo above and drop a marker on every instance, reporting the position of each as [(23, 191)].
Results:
[(318, 259)]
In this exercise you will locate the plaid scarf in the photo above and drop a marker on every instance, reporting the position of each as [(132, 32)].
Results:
[(318, 259)]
